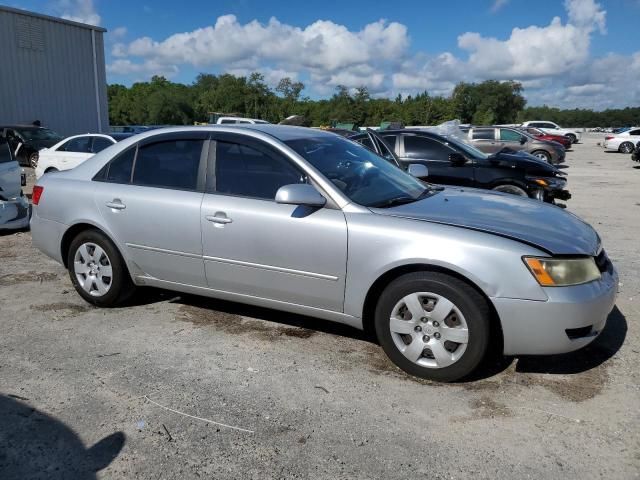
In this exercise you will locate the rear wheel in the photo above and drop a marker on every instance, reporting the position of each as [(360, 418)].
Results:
[(512, 189), (542, 155), (433, 325), (625, 147), (98, 271)]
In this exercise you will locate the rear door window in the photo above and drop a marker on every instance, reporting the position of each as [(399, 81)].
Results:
[(483, 134), (634, 132), (168, 164), (119, 169)]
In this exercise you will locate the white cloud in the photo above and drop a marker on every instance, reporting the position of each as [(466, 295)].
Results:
[(552, 61), (498, 4), (82, 11), (327, 49), (118, 33)]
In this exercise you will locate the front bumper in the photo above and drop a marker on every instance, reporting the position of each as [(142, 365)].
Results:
[(14, 213), (570, 319)]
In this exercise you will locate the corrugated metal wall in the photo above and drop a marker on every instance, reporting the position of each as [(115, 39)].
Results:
[(47, 73)]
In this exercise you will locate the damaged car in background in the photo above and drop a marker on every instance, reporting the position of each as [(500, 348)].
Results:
[(311, 223), (14, 207), (451, 160)]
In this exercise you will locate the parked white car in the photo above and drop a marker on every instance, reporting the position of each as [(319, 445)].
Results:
[(72, 151), (554, 128), (234, 120), (623, 142)]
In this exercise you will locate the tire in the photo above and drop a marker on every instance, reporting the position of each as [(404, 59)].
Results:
[(450, 341), (512, 189), (626, 147), (33, 159), (572, 137), (542, 155), (91, 256)]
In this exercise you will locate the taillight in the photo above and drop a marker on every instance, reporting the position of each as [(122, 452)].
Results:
[(37, 193), (608, 137)]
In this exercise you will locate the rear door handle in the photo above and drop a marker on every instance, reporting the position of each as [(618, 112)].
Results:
[(219, 217), (116, 204)]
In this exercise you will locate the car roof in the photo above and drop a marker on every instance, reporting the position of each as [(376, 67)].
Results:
[(26, 126)]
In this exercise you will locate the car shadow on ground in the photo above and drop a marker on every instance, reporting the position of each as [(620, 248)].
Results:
[(36, 445), (277, 317), (592, 356)]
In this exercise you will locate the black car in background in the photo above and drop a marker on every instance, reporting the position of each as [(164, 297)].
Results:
[(27, 140), (450, 161)]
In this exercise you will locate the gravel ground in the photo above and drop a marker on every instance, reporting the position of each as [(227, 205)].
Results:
[(82, 390)]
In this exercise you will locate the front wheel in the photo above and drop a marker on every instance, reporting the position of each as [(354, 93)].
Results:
[(98, 271), (572, 138), (625, 147), (433, 325), (512, 189)]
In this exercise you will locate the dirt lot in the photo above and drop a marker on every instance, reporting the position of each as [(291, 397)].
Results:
[(82, 388)]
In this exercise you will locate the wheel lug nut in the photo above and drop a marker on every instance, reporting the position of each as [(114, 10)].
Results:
[(436, 336), (436, 324), (418, 328), (424, 319), (425, 338)]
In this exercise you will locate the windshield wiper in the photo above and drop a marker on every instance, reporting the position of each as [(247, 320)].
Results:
[(402, 200)]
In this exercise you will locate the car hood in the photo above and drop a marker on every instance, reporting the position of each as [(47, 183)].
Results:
[(532, 222), (524, 160)]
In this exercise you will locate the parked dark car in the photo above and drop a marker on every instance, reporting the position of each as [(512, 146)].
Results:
[(450, 161), (26, 140)]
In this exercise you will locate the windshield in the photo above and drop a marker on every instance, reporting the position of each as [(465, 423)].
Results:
[(471, 150), (360, 174), (31, 134)]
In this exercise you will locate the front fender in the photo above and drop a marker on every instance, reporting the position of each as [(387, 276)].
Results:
[(379, 244)]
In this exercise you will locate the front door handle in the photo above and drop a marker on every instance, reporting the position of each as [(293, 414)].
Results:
[(116, 204), (219, 217)]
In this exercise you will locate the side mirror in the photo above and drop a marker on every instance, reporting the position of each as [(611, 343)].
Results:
[(456, 158), (523, 140), (418, 170), (300, 194)]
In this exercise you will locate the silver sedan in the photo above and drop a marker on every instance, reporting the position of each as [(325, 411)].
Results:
[(308, 222)]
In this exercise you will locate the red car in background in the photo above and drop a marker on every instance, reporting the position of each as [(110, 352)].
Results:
[(561, 139)]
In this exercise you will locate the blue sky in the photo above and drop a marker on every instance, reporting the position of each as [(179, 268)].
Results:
[(572, 53)]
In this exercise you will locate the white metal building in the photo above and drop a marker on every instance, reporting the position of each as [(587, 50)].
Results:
[(52, 70)]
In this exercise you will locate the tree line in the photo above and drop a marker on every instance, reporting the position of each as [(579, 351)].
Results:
[(162, 102)]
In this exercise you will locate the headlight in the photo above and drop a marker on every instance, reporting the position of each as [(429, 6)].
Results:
[(562, 272), (548, 182)]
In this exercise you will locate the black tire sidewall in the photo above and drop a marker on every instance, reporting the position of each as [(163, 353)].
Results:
[(470, 303), (121, 284)]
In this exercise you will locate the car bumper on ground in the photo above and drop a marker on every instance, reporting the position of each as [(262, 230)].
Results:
[(14, 213), (570, 319)]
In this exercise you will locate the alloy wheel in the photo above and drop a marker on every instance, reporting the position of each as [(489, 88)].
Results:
[(93, 269), (33, 160), (429, 330)]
